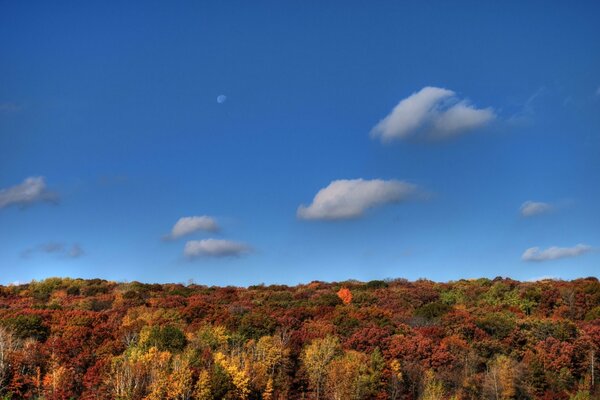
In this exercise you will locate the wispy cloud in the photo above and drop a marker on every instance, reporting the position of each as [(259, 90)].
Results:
[(434, 113), (57, 248), (32, 190), (215, 248), (532, 208), (187, 225), (350, 198), (526, 111), (554, 253)]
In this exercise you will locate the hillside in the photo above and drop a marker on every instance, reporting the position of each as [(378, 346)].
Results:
[(393, 339)]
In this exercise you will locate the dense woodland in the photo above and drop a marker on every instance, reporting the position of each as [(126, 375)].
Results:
[(393, 339)]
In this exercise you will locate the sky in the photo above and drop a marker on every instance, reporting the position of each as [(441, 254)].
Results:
[(238, 143)]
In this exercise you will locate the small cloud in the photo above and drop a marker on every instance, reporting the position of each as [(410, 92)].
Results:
[(543, 278), (9, 107), (52, 247), (187, 225), (110, 180), (531, 208), (350, 198), (32, 190), (554, 253), (432, 113), (56, 248), (76, 251), (221, 99), (214, 248)]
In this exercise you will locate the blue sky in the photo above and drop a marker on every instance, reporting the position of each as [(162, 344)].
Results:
[(425, 128)]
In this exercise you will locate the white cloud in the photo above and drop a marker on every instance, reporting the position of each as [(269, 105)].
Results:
[(554, 253), (187, 225), (350, 198), (531, 208), (214, 248), (32, 190), (434, 113)]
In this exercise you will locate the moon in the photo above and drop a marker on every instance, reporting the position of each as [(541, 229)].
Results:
[(221, 98)]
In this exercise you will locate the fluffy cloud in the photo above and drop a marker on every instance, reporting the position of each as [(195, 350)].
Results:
[(350, 198), (434, 113), (531, 208), (32, 190), (57, 248), (187, 225), (554, 253), (214, 248)]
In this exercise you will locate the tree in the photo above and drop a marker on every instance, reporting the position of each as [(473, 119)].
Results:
[(202, 391), (7, 346), (165, 338), (27, 326), (353, 376), (433, 388), (58, 383), (581, 395), (395, 380), (345, 295), (180, 381), (233, 365), (502, 378), (316, 358)]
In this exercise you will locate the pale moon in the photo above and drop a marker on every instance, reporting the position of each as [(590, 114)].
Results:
[(221, 98)]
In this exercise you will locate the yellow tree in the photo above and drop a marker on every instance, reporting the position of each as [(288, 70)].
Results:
[(316, 358), (128, 377), (268, 392), (233, 365), (396, 378), (502, 378), (203, 390), (157, 364), (180, 381), (270, 357), (354, 376), (346, 376), (433, 389)]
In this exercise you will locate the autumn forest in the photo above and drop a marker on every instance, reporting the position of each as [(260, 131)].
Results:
[(393, 339)]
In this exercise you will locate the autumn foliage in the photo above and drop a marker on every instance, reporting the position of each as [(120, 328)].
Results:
[(345, 295), (479, 339)]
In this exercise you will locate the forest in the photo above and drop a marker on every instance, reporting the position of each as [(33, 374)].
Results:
[(394, 339)]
